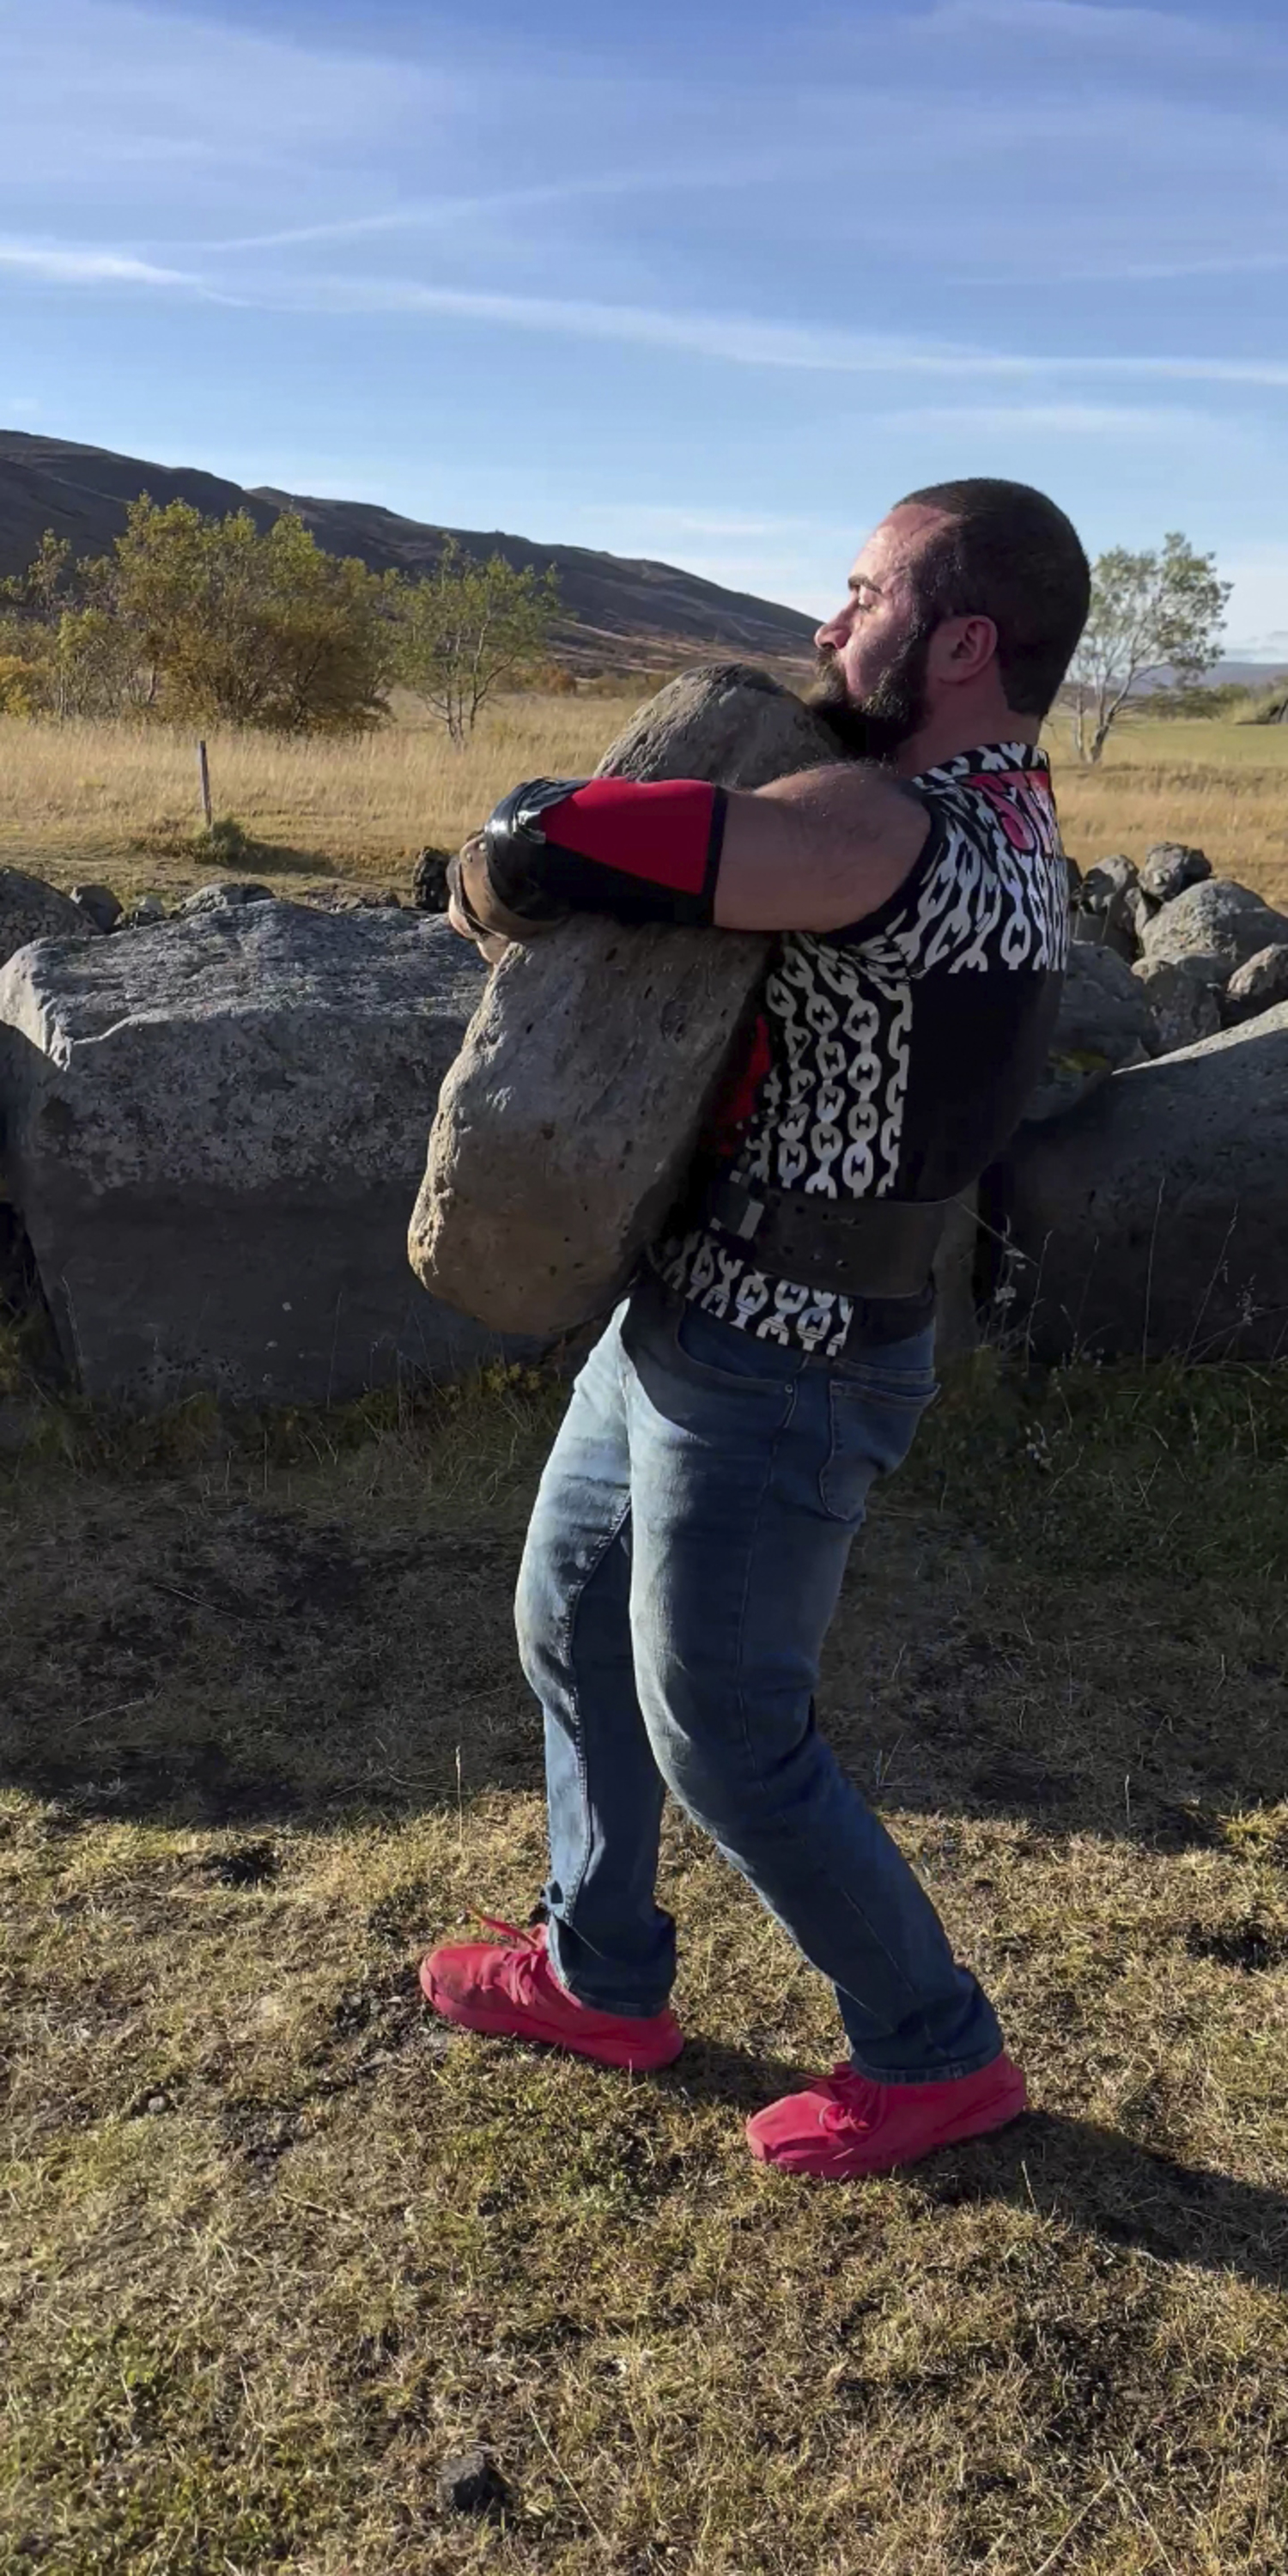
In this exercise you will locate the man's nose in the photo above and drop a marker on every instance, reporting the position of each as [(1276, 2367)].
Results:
[(830, 638)]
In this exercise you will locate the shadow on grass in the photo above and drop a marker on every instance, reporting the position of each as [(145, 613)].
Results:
[(1079, 2175)]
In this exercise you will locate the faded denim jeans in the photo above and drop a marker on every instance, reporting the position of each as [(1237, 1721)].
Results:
[(681, 1571)]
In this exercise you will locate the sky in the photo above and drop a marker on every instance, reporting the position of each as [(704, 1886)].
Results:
[(703, 282)]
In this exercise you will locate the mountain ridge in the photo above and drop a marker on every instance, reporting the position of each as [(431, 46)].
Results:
[(608, 601)]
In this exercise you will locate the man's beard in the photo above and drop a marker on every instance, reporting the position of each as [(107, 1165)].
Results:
[(880, 724)]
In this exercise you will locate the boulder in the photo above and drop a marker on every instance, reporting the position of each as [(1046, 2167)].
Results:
[(1184, 998), (214, 1131), (566, 1127), (1170, 867), (1258, 984), (99, 904), (30, 909), (212, 898), (1105, 907), (429, 880), (1216, 918), (1156, 1220), (1104, 1021)]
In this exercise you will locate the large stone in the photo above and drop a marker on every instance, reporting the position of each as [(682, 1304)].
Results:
[(1106, 905), (1259, 984), (99, 904), (1184, 998), (30, 909), (566, 1127), (1104, 1022), (1170, 867), (1217, 918), (214, 1131), (1156, 1220)]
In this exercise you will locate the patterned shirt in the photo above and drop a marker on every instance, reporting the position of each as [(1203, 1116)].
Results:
[(893, 1059)]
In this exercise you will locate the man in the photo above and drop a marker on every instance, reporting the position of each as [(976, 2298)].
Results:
[(692, 1527)]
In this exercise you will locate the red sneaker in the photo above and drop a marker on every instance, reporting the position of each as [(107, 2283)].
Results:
[(513, 1992), (845, 2124)]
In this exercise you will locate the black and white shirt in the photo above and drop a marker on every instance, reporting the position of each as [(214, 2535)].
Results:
[(894, 1059)]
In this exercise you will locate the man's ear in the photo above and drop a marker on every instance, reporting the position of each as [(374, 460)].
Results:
[(961, 649)]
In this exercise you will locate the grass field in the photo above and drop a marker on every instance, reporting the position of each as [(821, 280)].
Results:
[(81, 800), (274, 2244)]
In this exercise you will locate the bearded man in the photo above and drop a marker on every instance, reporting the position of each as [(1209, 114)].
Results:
[(775, 1354)]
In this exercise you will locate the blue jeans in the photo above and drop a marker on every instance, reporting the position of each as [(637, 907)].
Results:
[(681, 1571)]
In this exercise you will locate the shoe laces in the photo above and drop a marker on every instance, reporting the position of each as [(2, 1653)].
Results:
[(850, 2100), (528, 1942)]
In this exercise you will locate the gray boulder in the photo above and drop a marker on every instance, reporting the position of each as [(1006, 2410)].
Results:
[(1104, 1022), (429, 880), (1258, 984), (1217, 918), (567, 1126), (1105, 907), (1170, 867), (30, 909), (1156, 1220), (1184, 996), (215, 1130), (101, 907), (213, 898)]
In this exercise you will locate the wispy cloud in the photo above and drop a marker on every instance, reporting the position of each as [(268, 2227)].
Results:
[(64, 267), (1159, 37), (751, 342)]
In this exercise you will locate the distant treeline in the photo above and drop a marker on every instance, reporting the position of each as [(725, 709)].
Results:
[(198, 620)]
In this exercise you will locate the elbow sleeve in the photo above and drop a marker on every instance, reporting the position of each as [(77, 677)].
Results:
[(637, 852)]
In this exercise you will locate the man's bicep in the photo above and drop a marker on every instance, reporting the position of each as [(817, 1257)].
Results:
[(818, 852)]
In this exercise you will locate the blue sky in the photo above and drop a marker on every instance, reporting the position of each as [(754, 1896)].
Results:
[(708, 282)]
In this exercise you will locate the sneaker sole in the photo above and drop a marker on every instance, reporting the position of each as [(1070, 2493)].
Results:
[(499, 2025), (990, 2115)]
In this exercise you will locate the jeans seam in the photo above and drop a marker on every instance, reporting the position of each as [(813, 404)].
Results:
[(771, 1463), (576, 1596)]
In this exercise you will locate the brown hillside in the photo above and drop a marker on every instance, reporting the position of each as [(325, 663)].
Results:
[(660, 614)]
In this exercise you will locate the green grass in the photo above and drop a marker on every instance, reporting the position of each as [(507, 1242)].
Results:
[(274, 2244)]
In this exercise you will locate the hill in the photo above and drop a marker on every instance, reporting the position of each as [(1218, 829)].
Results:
[(637, 614)]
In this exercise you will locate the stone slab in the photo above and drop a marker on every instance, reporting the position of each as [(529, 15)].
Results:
[(213, 1131)]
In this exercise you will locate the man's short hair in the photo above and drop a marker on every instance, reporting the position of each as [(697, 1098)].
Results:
[(1011, 555)]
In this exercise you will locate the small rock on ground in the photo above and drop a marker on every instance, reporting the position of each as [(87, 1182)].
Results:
[(470, 2482)]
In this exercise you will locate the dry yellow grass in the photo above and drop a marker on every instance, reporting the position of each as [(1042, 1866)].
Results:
[(1221, 787), (80, 799), (83, 799)]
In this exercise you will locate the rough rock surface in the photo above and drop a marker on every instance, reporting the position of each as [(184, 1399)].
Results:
[(1217, 918), (30, 909), (214, 1131), (1104, 1022), (1170, 867), (1156, 1220), (566, 1126), (1184, 997), (1258, 984)]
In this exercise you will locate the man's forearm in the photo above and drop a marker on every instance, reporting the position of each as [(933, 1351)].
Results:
[(813, 852)]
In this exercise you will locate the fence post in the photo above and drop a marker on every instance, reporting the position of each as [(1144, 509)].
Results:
[(203, 773)]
